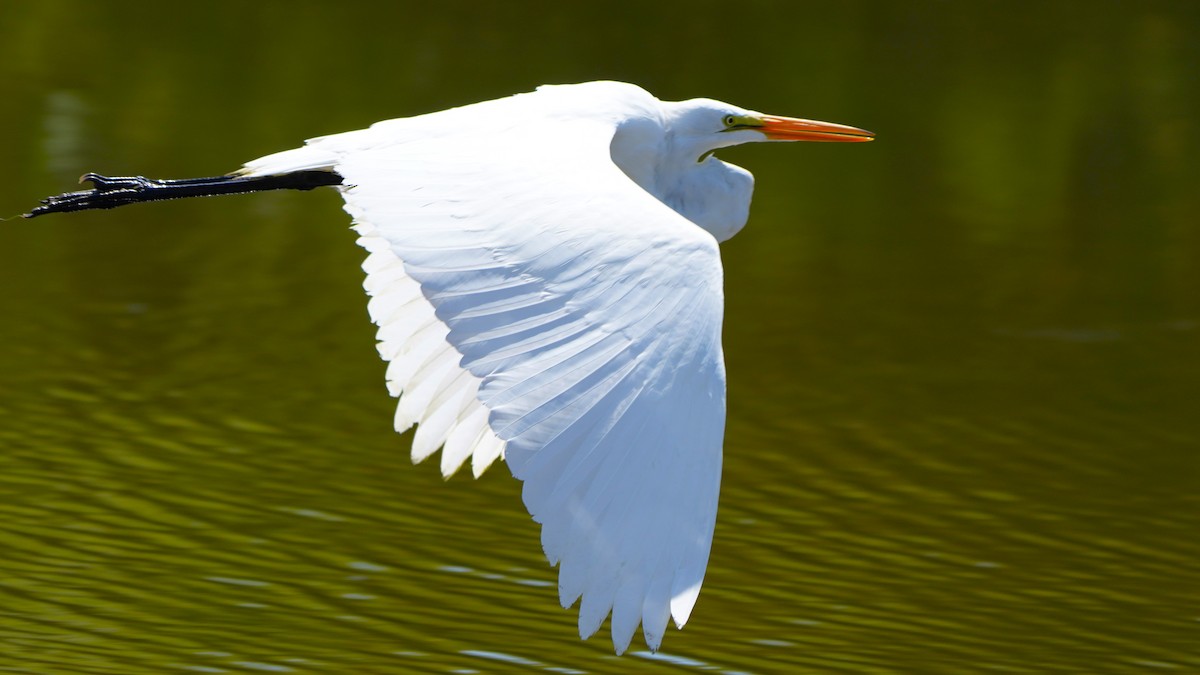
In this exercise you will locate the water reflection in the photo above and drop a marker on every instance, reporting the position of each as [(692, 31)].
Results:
[(963, 365)]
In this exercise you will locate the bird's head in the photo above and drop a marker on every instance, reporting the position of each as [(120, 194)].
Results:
[(707, 125)]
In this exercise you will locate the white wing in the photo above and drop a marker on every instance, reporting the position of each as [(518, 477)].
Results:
[(565, 318)]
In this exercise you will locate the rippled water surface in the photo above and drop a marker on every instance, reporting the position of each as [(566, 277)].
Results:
[(964, 360)]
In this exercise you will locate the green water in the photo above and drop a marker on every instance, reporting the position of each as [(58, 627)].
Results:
[(964, 360)]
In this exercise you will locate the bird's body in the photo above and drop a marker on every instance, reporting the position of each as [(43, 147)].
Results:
[(644, 137), (545, 275)]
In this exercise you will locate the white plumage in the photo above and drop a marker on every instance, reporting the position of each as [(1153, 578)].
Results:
[(545, 276)]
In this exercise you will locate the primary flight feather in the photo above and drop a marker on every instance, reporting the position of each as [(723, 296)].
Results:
[(545, 276)]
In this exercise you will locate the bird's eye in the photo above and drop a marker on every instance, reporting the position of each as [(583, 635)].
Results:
[(730, 120)]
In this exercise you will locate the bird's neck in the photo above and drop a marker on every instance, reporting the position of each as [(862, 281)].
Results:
[(710, 193)]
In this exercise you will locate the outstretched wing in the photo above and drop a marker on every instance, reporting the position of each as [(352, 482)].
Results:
[(535, 302)]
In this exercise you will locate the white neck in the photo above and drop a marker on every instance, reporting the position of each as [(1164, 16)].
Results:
[(712, 194)]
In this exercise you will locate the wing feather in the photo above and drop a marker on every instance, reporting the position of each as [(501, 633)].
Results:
[(536, 305)]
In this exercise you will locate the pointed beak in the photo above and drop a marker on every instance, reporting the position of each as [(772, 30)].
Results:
[(792, 129)]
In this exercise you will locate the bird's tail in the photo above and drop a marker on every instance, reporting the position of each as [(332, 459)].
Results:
[(109, 193)]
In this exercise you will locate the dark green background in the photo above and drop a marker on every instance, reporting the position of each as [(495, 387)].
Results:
[(964, 360)]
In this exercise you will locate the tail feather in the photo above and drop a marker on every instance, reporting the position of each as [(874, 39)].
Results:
[(309, 157)]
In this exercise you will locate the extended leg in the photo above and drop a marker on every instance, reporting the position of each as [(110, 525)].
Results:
[(111, 192)]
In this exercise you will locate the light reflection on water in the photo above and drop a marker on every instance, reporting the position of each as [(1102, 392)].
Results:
[(963, 360)]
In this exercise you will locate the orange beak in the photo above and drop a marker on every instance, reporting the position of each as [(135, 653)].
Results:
[(792, 129)]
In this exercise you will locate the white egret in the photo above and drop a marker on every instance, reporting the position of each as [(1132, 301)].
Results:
[(545, 276)]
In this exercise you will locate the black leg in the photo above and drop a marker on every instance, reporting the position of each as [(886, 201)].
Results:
[(111, 192)]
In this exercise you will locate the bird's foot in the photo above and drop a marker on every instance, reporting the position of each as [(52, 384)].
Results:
[(106, 193), (108, 184)]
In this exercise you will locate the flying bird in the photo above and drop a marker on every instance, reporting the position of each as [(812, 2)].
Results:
[(545, 275)]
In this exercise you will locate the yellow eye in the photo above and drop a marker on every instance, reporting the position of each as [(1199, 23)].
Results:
[(730, 120)]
